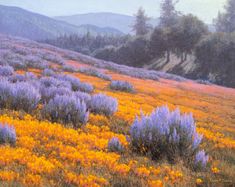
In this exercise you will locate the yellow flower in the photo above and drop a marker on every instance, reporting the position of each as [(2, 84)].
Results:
[(199, 181), (215, 170)]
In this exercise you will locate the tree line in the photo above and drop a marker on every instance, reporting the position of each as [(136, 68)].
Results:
[(177, 34)]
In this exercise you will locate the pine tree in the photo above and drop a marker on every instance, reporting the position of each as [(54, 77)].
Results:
[(141, 27), (226, 22), (168, 13)]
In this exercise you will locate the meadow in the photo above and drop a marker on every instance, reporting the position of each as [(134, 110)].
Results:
[(53, 148)]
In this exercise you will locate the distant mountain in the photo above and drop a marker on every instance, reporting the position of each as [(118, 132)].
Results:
[(117, 21), (19, 22)]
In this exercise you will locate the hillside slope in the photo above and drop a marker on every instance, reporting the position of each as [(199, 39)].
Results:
[(54, 154), (19, 22)]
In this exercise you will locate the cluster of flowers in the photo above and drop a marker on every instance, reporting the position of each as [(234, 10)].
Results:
[(94, 72), (18, 96), (65, 98), (168, 134), (7, 134), (122, 86)]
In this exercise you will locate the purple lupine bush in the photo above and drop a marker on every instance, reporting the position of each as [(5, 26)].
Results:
[(51, 92), (52, 57), (201, 160), (17, 78), (69, 68), (165, 133), (122, 86), (6, 90), (6, 71), (102, 104), (7, 134), (94, 72), (66, 109), (25, 97), (114, 145), (83, 97), (48, 72)]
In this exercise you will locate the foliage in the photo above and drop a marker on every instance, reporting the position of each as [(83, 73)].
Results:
[(114, 145), (19, 96), (216, 59), (201, 160), (141, 27), (95, 72), (102, 104), (66, 109), (122, 86), (166, 134), (6, 71), (225, 22), (7, 134)]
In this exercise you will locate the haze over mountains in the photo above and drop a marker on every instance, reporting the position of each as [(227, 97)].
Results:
[(19, 22), (105, 19)]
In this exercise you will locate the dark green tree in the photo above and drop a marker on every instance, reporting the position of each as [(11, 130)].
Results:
[(225, 22), (187, 33), (141, 26), (168, 15)]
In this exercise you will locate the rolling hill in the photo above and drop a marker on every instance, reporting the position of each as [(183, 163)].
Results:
[(104, 19), (19, 22), (48, 150)]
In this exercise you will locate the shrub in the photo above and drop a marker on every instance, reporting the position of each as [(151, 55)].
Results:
[(48, 72), (5, 93), (201, 160), (7, 134), (66, 109), (95, 72), (17, 78), (121, 86), (6, 71), (166, 134), (114, 145), (51, 92), (76, 84), (69, 68), (103, 104), (83, 97), (25, 97)]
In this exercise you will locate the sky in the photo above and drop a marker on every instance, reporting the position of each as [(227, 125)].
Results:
[(204, 9)]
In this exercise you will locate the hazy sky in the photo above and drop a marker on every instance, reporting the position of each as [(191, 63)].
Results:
[(204, 9)]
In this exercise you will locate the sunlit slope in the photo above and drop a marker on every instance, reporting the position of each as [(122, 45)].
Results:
[(50, 154)]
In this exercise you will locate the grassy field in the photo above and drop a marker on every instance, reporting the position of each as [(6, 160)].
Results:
[(50, 154)]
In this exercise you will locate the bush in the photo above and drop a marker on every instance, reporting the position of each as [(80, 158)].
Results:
[(102, 104), (6, 71), (114, 145), (5, 93), (166, 134), (121, 86), (95, 72), (76, 84), (7, 134), (83, 97), (201, 160), (48, 72), (51, 92), (66, 109), (25, 97)]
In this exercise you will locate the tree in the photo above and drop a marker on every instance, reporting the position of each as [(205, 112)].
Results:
[(216, 58), (168, 13), (187, 33), (141, 27), (225, 22)]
